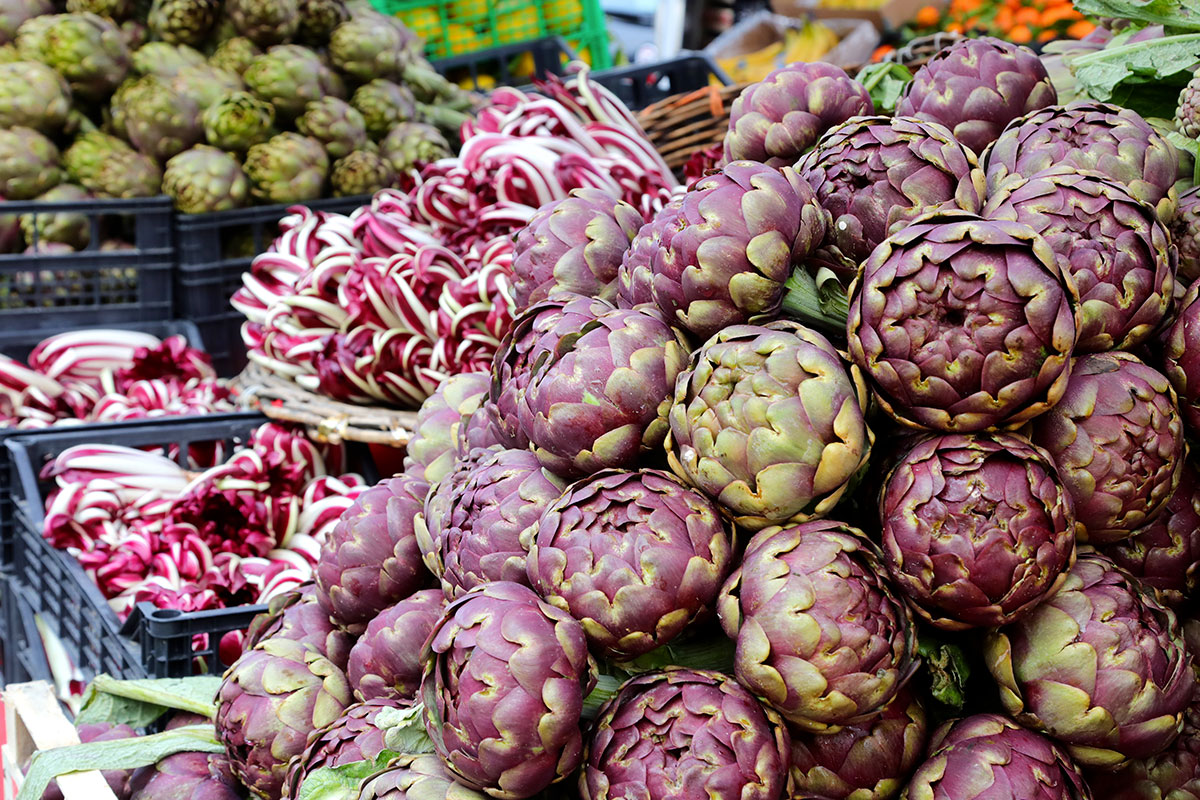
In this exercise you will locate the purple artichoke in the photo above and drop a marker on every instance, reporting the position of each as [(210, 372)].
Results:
[(988, 757), (371, 559), (635, 278), (726, 251), (870, 761), (1185, 235), (117, 779), (975, 87), (598, 394), (685, 733), (187, 776), (820, 635), (1173, 774), (977, 530), (386, 660), (964, 324), (1113, 141), (1117, 438), (1100, 666), (352, 737), (1112, 245), (298, 615), (476, 524), (1165, 555), (411, 777), (635, 556), (573, 245), (505, 677), (270, 700), (1181, 356), (777, 119), (431, 449), (873, 175), (770, 424)]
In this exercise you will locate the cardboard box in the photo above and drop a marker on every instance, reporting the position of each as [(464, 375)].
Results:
[(858, 38), (890, 16)]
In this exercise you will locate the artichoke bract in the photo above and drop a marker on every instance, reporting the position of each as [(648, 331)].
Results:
[(183, 21), (205, 179), (1100, 666), (598, 395), (289, 77), (820, 635), (1185, 235), (28, 164), (361, 172), (431, 449), (238, 121), (370, 559), (1117, 438), (477, 523), (13, 13), (572, 245), (975, 87), (206, 84), (1112, 245), (234, 55), (777, 119), (1173, 774), (1181, 356), (727, 249), (873, 175), (683, 732), (265, 22), (977, 530), (187, 776), (411, 777), (318, 20), (635, 276), (334, 123), (1113, 141), (32, 95), (383, 105), (287, 168), (372, 45), (158, 120), (503, 688), (988, 757), (769, 422), (635, 556), (269, 701), (1165, 555), (871, 761), (385, 662), (412, 145), (165, 60), (86, 49), (352, 737), (297, 615), (964, 324)]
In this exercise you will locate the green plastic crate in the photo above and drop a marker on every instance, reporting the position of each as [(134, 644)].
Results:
[(459, 27)]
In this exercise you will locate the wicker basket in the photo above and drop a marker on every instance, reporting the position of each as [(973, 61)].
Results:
[(327, 420), (683, 124), (918, 51)]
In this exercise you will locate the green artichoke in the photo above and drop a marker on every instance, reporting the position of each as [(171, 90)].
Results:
[(361, 172), (370, 46), (975, 87), (988, 757), (635, 556), (770, 424), (977, 530), (964, 324), (1100, 666), (206, 84), (1114, 248), (1181, 356), (383, 105), (415, 778), (269, 701), (776, 120), (386, 660), (432, 447), (289, 77), (870, 761), (108, 167), (353, 737), (159, 121), (116, 10), (336, 124), (234, 55), (820, 635), (183, 21), (412, 145), (873, 175), (86, 49), (288, 168), (685, 733), (88, 153), (238, 121), (187, 776), (1112, 141), (265, 22), (503, 688), (28, 164), (72, 228), (205, 179), (14, 13), (165, 60), (32, 95), (1117, 438), (1187, 116), (1185, 235), (299, 616), (318, 19)]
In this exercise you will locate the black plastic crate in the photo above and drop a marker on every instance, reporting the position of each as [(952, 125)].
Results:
[(213, 252), (549, 56), (22, 651), (53, 582), (640, 85), (95, 286)]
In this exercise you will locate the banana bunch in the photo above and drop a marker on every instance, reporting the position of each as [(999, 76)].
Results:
[(809, 43)]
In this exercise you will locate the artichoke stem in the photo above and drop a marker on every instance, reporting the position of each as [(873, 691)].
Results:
[(715, 654), (606, 687), (442, 117), (823, 307)]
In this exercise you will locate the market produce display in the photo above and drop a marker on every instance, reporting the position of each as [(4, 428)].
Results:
[(856, 470)]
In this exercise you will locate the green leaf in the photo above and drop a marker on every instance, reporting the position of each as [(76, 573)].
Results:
[(1189, 146), (343, 782), (947, 668), (1180, 14), (404, 729), (1150, 66), (138, 703), (141, 751), (885, 83)]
